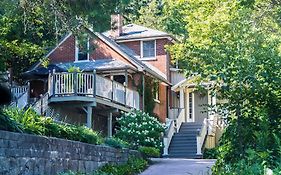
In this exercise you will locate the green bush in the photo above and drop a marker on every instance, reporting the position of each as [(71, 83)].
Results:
[(8, 124), (116, 143), (149, 151), (132, 167), (210, 153), (32, 123), (140, 129)]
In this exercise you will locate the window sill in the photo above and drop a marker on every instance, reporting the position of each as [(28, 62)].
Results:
[(148, 59), (81, 61), (156, 101)]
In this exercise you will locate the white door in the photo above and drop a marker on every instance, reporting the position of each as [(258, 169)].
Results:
[(190, 107)]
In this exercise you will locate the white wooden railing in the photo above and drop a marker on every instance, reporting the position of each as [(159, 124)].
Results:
[(202, 136), (180, 119), (90, 84), (17, 91), (41, 105), (20, 96), (168, 136)]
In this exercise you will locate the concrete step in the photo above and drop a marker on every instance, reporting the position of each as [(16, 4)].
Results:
[(187, 156)]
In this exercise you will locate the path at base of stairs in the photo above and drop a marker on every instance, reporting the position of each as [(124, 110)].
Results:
[(167, 166)]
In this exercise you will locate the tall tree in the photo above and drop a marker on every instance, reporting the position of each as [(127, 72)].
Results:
[(237, 45), (29, 27)]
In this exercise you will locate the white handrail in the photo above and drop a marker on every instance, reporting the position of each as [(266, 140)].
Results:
[(180, 119), (202, 136), (168, 137), (41, 105)]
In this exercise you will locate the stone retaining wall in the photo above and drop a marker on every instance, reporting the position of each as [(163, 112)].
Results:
[(35, 155)]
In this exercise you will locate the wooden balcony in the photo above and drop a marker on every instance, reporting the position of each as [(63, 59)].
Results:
[(89, 87)]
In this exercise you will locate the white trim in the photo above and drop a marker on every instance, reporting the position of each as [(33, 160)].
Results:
[(58, 45), (141, 39), (192, 119), (141, 51)]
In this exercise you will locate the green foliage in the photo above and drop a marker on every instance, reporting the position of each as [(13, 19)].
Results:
[(8, 124), (140, 129), (132, 167), (32, 123), (149, 95), (149, 151), (116, 143), (210, 153)]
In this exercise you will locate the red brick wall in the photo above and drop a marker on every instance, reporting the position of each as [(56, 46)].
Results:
[(65, 52), (161, 108), (162, 60), (134, 45)]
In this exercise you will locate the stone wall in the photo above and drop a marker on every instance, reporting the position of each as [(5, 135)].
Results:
[(30, 154)]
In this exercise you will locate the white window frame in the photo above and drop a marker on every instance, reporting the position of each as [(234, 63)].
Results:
[(77, 51), (192, 119), (141, 51)]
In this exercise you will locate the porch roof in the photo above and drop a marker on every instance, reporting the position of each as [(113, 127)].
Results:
[(99, 65), (189, 83)]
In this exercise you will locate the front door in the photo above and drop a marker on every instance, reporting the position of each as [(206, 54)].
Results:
[(190, 107)]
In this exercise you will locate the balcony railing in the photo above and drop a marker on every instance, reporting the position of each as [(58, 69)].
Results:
[(92, 85)]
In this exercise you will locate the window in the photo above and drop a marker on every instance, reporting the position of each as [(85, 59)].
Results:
[(82, 49), (190, 105), (148, 49)]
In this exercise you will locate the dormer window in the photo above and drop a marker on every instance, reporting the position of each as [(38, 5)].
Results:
[(148, 50), (82, 49)]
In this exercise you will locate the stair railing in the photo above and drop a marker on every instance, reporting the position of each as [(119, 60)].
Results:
[(202, 136), (41, 105), (168, 136), (180, 119)]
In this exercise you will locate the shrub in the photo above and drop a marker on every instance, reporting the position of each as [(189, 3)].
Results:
[(8, 124), (210, 153), (140, 129), (132, 167), (32, 123), (116, 143), (149, 151)]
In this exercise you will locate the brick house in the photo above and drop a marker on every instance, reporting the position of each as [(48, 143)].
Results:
[(93, 77), (115, 68)]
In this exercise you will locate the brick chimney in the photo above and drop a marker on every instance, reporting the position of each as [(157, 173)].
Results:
[(116, 25)]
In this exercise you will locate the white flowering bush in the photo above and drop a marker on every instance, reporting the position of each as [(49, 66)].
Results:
[(140, 129)]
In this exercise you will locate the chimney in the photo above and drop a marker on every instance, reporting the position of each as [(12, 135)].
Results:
[(116, 25)]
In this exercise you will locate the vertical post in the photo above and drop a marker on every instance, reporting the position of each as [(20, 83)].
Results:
[(75, 83), (112, 88), (109, 125), (41, 104), (28, 91), (126, 85), (143, 91), (198, 140), (54, 83), (95, 83), (89, 116), (181, 98)]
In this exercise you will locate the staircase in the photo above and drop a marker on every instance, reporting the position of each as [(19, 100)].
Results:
[(183, 144)]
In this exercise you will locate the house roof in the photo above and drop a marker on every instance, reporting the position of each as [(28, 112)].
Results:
[(134, 31), (102, 64), (189, 83), (141, 66)]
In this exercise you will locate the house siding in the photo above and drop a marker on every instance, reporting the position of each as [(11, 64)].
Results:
[(65, 52)]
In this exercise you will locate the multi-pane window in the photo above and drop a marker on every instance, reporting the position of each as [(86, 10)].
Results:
[(190, 105), (148, 49)]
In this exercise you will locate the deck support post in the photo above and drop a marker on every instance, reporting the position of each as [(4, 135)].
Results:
[(109, 125), (89, 116)]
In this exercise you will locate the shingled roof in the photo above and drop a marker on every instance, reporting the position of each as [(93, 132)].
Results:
[(134, 31)]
